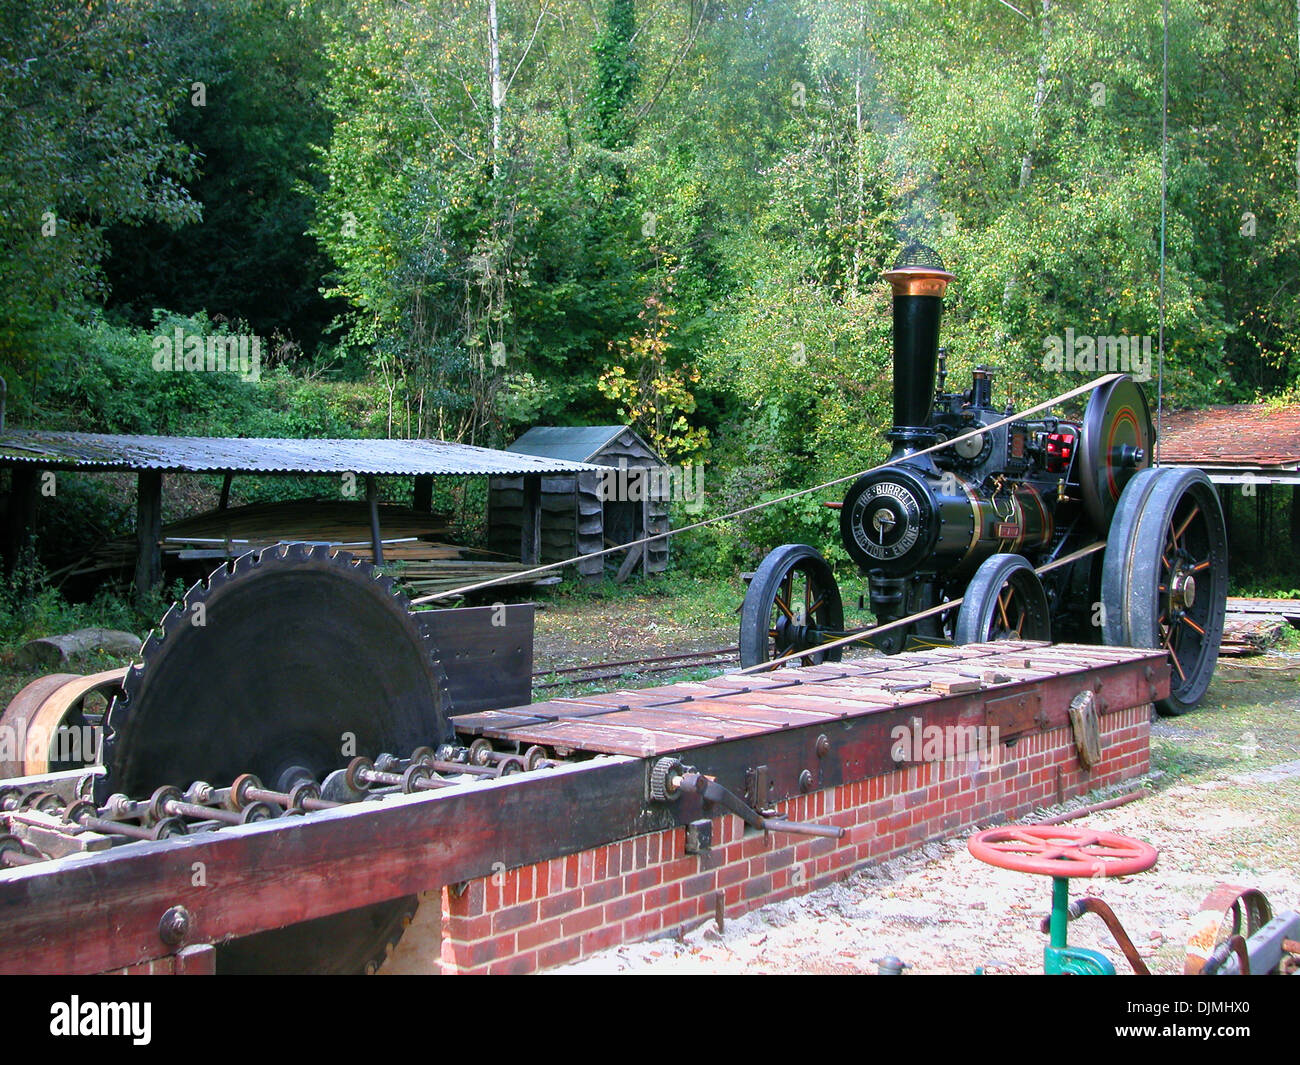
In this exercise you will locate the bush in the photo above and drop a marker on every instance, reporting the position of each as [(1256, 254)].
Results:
[(31, 607)]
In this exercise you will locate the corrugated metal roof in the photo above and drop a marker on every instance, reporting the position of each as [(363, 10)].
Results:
[(574, 443), (1243, 434), (210, 454)]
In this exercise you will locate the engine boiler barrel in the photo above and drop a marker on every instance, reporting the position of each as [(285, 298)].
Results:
[(905, 520)]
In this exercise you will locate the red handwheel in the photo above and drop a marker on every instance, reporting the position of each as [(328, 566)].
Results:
[(1062, 851)]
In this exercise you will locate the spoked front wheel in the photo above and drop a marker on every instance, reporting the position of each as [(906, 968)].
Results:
[(793, 604), (1004, 601)]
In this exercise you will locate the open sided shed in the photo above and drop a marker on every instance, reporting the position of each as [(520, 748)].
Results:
[(585, 511), (30, 455), (1246, 449)]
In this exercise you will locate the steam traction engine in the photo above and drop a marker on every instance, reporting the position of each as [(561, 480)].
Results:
[(994, 517)]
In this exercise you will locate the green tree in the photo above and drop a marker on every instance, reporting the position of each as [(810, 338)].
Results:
[(616, 76), (86, 89), (254, 115)]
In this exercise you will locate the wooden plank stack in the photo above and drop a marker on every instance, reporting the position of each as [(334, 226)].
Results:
[(414, 544)]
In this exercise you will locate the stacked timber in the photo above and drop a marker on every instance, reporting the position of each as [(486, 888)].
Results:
[(415, 545), (430, 578), (1251, 634)]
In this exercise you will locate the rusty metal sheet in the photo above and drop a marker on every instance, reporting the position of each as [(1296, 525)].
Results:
[(527, 714), (888, 686), (621, 699), (740, 680), (1081, 656), (826, 709), (791, 697), (679, 722), (826, 672), (1014, 714), (497, 720), (489, 722), (602, 739), (757, 714), (715, 687)]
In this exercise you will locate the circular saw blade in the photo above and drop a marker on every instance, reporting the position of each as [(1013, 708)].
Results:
[(287, 657)]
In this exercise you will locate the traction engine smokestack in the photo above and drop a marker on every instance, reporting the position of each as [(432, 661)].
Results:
[(919, 282)]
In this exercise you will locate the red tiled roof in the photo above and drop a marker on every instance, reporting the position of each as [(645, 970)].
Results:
[(1244, 434)]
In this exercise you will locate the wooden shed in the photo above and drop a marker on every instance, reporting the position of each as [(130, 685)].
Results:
[(582, 513)]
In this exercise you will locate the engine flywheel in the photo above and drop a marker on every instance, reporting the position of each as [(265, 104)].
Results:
[(286, 664)]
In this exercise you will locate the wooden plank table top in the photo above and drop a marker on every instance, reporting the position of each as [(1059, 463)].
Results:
[(676, 717)]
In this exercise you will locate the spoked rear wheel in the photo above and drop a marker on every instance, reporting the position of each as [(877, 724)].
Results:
[(791, 600), (1004, 601), (1171, 565)]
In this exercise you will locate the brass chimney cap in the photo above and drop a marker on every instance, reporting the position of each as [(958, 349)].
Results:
[(919, 271)]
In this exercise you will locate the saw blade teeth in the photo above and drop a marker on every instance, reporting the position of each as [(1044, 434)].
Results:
[(149, 647), (128, 722), (175, 616)]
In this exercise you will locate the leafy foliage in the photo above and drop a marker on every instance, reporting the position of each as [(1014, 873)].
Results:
[(85, 91), (673, 212)]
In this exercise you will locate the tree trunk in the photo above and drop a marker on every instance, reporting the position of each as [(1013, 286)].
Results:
[(860, 222), (494, 50), (1040, 97)]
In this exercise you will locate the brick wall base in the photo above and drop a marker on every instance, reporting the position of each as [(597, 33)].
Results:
[(558, 911)]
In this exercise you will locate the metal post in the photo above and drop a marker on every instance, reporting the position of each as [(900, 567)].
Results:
[(1060, 909)]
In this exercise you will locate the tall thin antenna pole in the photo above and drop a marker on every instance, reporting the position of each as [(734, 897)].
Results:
[(1164, 199)]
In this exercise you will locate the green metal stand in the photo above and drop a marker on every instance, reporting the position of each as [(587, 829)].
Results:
[(1060, 959)]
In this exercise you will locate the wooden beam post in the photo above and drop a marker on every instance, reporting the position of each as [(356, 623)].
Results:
[(372, 501), (225, 492), (148, 533), (530, 548)]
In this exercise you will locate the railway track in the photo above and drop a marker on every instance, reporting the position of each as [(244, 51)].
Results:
[(633, 667)]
